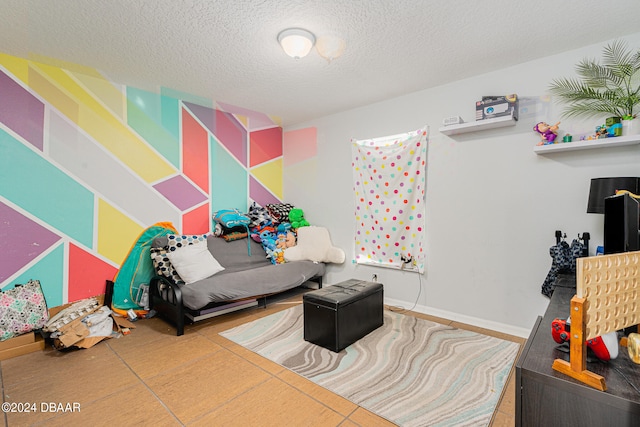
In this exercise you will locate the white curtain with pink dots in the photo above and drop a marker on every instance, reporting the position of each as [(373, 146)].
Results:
[(389, 182)]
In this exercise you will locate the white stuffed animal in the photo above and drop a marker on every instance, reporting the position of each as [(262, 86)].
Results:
[(314, 244)]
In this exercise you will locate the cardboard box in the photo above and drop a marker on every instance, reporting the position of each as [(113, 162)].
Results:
[(497, 106), (37, 344), (75, 333), (72, 333), (119, 323), (23, 339), (57, 309)]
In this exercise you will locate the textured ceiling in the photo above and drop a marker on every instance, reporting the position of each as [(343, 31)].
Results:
[(226, 50)]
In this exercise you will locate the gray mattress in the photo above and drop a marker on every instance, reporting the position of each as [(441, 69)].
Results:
[(245, 276)]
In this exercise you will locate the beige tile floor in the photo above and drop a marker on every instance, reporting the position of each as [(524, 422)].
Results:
[(152, 377)]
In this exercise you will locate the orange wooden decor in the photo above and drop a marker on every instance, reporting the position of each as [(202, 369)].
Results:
[(608, 299), (577, 367)]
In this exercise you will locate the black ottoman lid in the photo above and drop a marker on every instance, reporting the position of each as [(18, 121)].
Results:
[(342, 293)]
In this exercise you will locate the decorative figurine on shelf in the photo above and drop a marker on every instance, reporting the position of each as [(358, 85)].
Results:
[(614, 126), (601, 132), (548, 133)]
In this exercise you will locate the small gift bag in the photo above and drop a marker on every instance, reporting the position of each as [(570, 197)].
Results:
[(22, 309)]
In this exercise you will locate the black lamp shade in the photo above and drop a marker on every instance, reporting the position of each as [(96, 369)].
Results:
[(605, 187)]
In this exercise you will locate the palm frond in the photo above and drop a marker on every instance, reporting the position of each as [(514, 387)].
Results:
[(598, 76), (616, 55), (590, 110), (611, 87)]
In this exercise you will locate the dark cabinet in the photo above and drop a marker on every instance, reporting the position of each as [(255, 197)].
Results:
[(545, 397)]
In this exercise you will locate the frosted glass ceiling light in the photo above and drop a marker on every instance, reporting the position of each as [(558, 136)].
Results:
[(296, 42), (330, 47)]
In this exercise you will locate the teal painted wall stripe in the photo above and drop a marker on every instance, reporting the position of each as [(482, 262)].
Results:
[(145, 116), (49, 271), (170, 115), (228, 180), (41, 189)]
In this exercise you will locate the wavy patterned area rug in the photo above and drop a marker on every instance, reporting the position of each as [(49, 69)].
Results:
[(413, 372)]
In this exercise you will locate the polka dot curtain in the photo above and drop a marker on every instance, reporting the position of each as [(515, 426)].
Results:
[(389, 176)]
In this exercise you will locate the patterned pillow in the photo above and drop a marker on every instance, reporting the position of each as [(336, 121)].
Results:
[(175, 241), (162, 263), (279, 211), (163, 266)]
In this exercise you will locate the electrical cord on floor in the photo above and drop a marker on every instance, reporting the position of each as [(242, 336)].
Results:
[(400, 309), (626, 379)]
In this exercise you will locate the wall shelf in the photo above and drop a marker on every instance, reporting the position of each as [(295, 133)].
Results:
[(497, 122), (618, 141)]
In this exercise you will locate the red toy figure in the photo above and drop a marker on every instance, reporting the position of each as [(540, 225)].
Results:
[(547, 132)]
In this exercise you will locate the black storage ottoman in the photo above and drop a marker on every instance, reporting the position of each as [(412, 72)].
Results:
[(337, 316)]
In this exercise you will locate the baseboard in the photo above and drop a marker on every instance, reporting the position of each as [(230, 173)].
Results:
[(457, 317)]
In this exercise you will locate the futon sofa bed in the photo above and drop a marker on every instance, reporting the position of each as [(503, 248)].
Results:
[(248, 278)]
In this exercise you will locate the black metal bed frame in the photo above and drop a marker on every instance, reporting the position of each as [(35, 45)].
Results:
[(165, 297)]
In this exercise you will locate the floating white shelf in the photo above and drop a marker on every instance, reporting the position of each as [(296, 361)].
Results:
[(478, 125), (618, 141)]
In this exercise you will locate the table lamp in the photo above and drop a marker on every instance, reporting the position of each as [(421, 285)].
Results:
[(605, 187)]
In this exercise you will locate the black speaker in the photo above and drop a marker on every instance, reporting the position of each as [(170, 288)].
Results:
[(621, 224)]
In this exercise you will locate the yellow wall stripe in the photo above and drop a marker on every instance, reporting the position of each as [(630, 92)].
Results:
[(116, 232), (270, 175), (63, 92), (69, 66), (104, 127), (111, 96), (19, 67)]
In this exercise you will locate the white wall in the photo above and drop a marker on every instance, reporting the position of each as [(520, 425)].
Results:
[(493, 205)]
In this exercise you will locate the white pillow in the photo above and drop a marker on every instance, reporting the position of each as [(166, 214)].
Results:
[(194, 262), (314, 244)]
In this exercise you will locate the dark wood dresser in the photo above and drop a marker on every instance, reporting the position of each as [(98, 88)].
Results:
[(546, 398)]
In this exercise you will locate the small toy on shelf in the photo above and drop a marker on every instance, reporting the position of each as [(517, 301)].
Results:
[(548, 133), (614, 126), (601, 132)]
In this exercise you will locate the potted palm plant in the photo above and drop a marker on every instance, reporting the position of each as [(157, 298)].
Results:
[(610, 88)]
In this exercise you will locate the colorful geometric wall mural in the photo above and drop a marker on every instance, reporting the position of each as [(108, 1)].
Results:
[(87, 164), (300, 162)]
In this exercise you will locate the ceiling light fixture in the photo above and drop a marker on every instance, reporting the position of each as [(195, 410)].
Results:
[(296, 42), (330, 47)]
